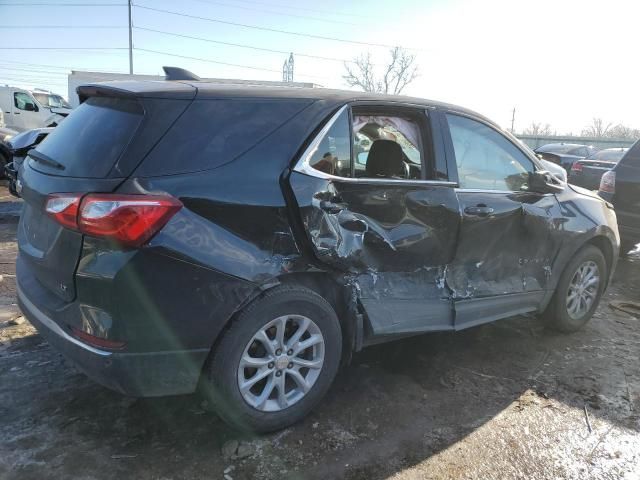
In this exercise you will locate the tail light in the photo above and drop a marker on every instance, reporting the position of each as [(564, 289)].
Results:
[(608, 182), (127, 219), (576, 167)]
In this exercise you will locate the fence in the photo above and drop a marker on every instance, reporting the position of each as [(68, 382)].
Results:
[(535, 141)]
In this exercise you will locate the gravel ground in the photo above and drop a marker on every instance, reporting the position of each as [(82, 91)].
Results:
[(505, 400)]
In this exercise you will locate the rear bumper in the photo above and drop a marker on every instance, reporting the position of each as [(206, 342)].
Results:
[(146, 374)]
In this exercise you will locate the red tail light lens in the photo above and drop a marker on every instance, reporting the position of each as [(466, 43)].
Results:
[(608, 182), (97, 341), (63, 208), (576, 167), (127, 219)]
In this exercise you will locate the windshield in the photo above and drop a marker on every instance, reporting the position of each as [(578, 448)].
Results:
[(556, 148), (51, 100), (609, 155)]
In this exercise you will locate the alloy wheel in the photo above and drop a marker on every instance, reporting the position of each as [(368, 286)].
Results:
[(583, 290), (281, 363)]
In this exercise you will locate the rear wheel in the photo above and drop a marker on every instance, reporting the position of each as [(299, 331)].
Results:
[(276, 361), (578, 292)]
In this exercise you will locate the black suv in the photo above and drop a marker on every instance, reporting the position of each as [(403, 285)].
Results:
[(247, 240), (621, 186)]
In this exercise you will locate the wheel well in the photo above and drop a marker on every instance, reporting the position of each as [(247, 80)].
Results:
[(604, 245), (339, 295)]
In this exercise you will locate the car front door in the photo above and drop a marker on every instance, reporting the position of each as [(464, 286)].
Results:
[(504, 251), (25, 112), (382, 212)]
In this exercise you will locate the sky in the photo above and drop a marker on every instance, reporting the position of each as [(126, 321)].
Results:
[(561, 62)]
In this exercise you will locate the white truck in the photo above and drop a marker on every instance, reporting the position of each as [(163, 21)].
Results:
[(25, 109)]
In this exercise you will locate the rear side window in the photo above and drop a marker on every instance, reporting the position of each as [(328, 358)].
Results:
[(333, 154), (89, 141), (214, 132)]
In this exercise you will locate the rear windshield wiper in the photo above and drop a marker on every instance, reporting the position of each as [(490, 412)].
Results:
[(42, 158)]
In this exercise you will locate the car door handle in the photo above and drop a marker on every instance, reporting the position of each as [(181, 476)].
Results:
[(479, 211)]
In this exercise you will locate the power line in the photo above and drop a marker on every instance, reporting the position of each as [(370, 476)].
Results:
[(62, 4), (207, 60), (218, 62), (64, 48), (256, 27), (326, 12), (293, 15), (47, 65), (318, 57), (63, 26), (5, 67)]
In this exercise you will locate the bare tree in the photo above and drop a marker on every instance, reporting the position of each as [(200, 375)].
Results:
[(538, 130), (597, 129), (622, 131), (397, 74)]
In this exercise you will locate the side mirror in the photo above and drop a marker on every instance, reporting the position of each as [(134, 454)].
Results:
[(362, 158), (543, 181), (30, 107), (556, 170)]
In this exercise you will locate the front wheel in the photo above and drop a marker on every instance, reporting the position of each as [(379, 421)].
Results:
[(276, 360), (578, 292)]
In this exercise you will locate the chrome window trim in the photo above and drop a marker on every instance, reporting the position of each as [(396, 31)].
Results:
[(302, 165)]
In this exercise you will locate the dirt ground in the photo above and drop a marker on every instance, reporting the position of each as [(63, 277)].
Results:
[(505, 400)]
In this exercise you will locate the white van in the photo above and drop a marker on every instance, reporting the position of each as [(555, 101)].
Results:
[(26, 109)]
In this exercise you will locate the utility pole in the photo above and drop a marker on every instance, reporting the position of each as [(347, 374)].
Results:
[(130, 41), (513, 119)]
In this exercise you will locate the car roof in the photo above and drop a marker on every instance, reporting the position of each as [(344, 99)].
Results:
[(205, 89), (562, 147)]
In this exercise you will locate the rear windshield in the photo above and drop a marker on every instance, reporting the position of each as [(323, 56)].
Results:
[(89, 141), (552, 148)]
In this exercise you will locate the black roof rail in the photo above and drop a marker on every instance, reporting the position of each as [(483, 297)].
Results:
[(177, 73)]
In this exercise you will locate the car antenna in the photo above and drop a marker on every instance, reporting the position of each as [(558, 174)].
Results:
[(177, 73)]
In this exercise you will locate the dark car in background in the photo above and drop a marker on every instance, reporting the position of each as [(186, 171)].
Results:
[(564, 154), (588, 172), (621, 187), (16, 150), (178, 234)]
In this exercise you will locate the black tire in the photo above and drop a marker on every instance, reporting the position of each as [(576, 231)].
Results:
[(221, 375), (556, 316)]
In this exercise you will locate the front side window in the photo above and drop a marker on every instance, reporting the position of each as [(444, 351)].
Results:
[(486, 160), (51, 100), (387, 147), (21, 100), (333, 154)]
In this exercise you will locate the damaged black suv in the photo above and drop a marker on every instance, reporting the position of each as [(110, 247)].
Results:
[(246, 240)]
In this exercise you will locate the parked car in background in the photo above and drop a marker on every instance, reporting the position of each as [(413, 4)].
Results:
[(177, 234), (16, 150), (5, 150), (588, 172), (564, 154), (621, 187), (26, 109)]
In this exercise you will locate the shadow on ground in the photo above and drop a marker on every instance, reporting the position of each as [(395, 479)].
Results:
[(501, 400)]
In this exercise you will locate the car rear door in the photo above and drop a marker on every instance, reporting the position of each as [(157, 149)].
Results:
[(391, 236), (504, 253)]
